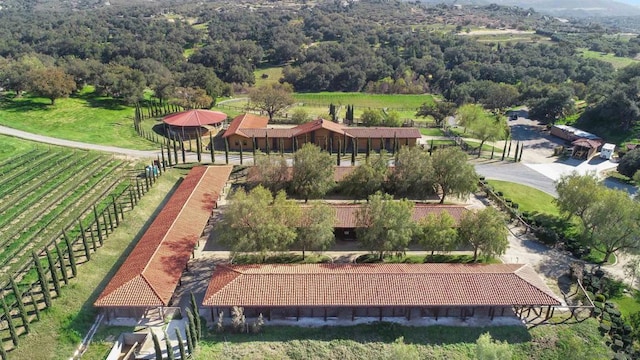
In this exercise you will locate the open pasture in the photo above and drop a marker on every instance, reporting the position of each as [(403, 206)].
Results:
[(86, 117)]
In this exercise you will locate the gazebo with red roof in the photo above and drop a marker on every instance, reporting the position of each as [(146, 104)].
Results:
[(191, 122)]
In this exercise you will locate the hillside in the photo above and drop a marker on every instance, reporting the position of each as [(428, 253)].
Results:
[(568, 8)]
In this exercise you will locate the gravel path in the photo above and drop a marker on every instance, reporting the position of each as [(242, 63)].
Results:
[(140, 154)]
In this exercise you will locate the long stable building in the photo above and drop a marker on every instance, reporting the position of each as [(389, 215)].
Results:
[(350, 291), (149, 276), (246, 129)]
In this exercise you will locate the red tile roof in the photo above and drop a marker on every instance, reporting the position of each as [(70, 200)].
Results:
[(384, 132), (270, 132), (339, 173), (197, 117), (317, 125), (346, 213), (150, 274), (245, 121), (377, 285)]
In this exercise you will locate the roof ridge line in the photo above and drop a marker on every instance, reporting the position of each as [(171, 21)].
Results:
[(155, 292), (524, 266), (173, 222)]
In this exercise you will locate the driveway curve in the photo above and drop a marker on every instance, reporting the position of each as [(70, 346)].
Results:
[(139, 154), (516, 173)]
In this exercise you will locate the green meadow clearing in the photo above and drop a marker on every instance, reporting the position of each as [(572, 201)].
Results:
[(84, 117), (616, 61)]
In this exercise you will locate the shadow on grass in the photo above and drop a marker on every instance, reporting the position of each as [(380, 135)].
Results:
[(23, 104), (82, 321), (385, 332), (102, 102)]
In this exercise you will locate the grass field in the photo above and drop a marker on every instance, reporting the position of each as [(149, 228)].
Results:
[(431, 131), (529, 199), (363, 100), (616, 61), (273, 75), (12, 147), (627, 304), (86, 118), (63, 326), (392, 341)]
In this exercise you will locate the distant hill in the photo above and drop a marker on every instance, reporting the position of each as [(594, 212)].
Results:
[(565, 8)]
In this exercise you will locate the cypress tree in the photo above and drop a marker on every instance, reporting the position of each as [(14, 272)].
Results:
[(54, 272), (212, 150), (115, 210), (266, 144), (97, 218), (521, 150), (196, 316), (492, 151), (23, 312), (169, 152), (368, 148), (42, 277), (330, 145), (241, 153), (509, 149), (162, 154), (184, 155), (192, 328), (121, 212), (36, 309), (504, 150), (72, 256), (253, 145), (281, 144), (138, 190), (338, 153), (87, 251), (354, 150), (167, 344), (189, 337), (175, 151), (183, 352), (63, 265), (110, 220), (105, 222), (199, 146), (226, 151), (12, 328), (156, 346), (131, 199), (382, 147)]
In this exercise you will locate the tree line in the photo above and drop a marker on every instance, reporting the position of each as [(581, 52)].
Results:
[(258, 222), (416, 174)]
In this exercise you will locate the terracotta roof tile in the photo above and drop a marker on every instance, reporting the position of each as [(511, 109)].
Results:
[(377, 285), (197, 117), (384, 132), (150, 274), (270, 132), (245, 121), (346, 213), (319, 124)]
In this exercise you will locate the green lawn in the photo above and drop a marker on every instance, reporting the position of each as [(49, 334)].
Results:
[(529, 199), (363, 100), (60, 331), (86, 118), (431, 131), (627, 304), (616, 61), (273, 75), (392, 341), (12, 147)]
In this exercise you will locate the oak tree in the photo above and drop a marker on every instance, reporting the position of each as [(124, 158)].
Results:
[(272, 98)]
